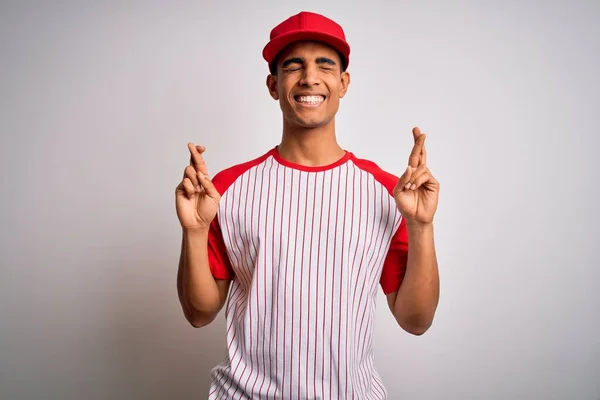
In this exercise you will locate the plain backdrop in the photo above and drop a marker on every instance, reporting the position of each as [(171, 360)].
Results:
[(97, 103)]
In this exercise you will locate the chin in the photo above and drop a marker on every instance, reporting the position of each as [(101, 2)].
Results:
[(312, 124), (309, 123)]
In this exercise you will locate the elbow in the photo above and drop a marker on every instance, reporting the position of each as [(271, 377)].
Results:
[(200, 320), (196, 323), (202, 314), (417, 330), (198, 311), (416, 325)]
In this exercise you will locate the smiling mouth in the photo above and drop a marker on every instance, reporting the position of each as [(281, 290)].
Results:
[(313, 100)]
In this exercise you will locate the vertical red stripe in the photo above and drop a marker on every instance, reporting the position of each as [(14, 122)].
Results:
[(333, 298), (301, 301), (312, 230), (285, 294), (316, 305), (296, 195), (325, 286), (357, 372), (342, 267), (264, 265), (252, 239), (276, 268), (351, 189), (273, 289), (256, 277)]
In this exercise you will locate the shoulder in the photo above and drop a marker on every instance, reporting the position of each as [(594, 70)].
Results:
[(385, 178), (226, 177)]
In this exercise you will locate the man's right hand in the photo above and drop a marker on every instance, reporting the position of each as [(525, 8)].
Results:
[(196, 198)]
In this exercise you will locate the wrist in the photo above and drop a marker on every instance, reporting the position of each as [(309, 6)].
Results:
[(417, 226), (196, 231)]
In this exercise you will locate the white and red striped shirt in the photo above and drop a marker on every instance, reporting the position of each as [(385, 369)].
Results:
[(306, 249)]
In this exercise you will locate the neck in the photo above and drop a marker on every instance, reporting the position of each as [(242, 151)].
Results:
[(312, 147)]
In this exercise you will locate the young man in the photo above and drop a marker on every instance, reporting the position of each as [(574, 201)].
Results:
[(297, 241)]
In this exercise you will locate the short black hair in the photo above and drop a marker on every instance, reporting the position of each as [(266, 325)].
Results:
[(273, 65)]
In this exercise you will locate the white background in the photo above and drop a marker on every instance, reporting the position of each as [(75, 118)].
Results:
[(98, 101)]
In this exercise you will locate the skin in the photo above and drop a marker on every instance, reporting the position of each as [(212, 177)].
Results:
[(307, 68), (308, 138), (416, 195), (197, 200)]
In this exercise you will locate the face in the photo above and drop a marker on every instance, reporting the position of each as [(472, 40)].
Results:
[(309, 84)]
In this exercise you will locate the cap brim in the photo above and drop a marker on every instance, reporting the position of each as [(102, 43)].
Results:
[(279, 43)]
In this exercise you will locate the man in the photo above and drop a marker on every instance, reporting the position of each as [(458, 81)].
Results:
[(298, 240)]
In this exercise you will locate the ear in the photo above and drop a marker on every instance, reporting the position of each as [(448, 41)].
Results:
[(344, 84), (272, 86)]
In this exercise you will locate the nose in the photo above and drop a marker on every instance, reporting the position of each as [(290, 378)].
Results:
[(310, 76)]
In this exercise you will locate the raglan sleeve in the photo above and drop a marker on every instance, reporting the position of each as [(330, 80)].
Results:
[(394, 265), (218, 259)]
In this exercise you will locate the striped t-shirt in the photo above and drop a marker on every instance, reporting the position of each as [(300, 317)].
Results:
[(306, 249)]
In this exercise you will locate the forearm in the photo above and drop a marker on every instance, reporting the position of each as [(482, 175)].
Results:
[(418, 296), (197, 288)]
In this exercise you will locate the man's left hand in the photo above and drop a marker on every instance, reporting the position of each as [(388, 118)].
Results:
[(416, 193)]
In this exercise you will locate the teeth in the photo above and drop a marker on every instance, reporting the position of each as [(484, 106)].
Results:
[(311, 99)]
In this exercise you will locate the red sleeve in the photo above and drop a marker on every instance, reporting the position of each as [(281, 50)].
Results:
[(218, 260), (394, 265)]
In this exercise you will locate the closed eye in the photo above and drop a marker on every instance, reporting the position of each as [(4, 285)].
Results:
[(326, 63), (293, 64)]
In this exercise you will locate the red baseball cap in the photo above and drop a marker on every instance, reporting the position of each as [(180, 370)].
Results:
[(307, 26)]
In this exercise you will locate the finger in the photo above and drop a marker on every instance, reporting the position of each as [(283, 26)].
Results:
[(405, 178), (423, 179), (416, 133), (188, 187), (196, 159), (415, 154), (200, 149), (412, 183), (208, 186), (191, 174)]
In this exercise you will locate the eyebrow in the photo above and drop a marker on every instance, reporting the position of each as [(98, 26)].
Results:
[(294, 60), (325, 60), (298, 60)]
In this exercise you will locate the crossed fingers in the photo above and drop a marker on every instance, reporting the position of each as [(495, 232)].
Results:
[(416, 173), (196, 171)]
